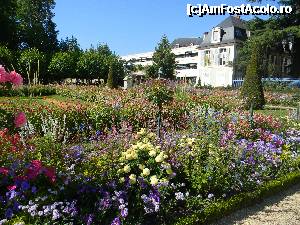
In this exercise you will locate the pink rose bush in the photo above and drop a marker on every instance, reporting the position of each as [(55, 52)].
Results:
[(20, 120), (13, 77)]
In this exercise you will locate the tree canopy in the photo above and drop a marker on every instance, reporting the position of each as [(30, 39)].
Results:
[(164, 59)]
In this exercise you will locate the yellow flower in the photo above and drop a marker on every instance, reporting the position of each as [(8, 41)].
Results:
[(122, 179), (132, 178), (146, 172), (142, 131), (153, 180), (152, 153), (127, 169), (141, 167), (169, 171), (159, 158)]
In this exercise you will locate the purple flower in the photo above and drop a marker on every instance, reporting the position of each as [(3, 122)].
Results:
[(116, 221), (25, 185), (124, 212), (33, 189), (9, 213)]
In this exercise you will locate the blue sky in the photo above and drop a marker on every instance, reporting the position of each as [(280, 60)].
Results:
[(133, 26)]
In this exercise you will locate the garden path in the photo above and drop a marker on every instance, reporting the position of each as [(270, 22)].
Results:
[(281, 209)]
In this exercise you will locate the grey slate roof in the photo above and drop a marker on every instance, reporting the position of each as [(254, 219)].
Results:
[(232, 21), (184, 42), (233, 30)]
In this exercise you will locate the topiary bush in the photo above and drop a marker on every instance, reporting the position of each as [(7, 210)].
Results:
[(252, 89)]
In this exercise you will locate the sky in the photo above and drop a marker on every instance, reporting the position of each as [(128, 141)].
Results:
[(133, 26)]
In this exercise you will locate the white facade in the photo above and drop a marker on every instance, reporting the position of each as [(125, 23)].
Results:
[(208, 60), (215, 66)]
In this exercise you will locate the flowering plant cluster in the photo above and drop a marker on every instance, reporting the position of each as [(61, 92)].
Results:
[(94, 163), (12, 78)]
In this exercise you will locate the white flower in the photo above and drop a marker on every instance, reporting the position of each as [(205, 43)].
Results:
[(146, 172), (179, 196)]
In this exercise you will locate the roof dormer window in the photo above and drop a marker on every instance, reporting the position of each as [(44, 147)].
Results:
[(216, 35)]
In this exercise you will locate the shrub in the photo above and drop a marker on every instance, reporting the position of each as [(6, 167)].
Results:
[(252, 89)]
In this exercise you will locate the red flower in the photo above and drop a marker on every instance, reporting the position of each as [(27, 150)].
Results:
[(34, 169), (50, 173)]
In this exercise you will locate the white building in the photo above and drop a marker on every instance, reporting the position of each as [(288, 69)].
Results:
[(208, 60)]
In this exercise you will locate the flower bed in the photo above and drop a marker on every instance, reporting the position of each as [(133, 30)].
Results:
[(101, 161)]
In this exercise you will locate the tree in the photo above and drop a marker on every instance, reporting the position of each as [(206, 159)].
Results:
[(252, 89), (69, 45), (35, 25), (32, 63), (164, 58), (151, 71), (63, 65), (111, 83), (6, 57), (8, 24)]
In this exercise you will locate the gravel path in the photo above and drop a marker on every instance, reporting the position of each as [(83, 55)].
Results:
[(281, 209)]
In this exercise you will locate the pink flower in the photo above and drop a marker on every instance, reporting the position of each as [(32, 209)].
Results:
[(50, 173), (3, 171), (15, 78), (20, 119), (3, 75), (11, 187)]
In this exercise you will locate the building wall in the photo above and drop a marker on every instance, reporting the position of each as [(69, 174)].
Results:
[(215, 65)]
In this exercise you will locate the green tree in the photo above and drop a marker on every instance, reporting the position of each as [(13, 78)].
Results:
[(63, 65), (111, 83), (8, 24), (92, 65), (69, 45), (35, 25), (32, 64), (252, 89), (6, 57), (164, 58), (151, 71)]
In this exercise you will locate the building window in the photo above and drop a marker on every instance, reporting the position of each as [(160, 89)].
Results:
[(222, 50), (222, 61), (216, 35), (177, 46), (207, 58)]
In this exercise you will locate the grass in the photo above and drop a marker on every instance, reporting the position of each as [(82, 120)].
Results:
[(273, 112)]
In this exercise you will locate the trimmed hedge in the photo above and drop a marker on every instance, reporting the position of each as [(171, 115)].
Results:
[(222, 208), (37, 90)]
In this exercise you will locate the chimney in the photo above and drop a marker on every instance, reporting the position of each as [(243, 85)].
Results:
[(237, 16), (205, 35)]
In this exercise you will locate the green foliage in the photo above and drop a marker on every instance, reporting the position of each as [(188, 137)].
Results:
[(164, 58), (222, 208), (8, 23), (69, 45), (63, 65), (159, 93), (111, 79), (35, 25), (152, 71), (92, 65), (31, 64), (6, 57), (252, 89)]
